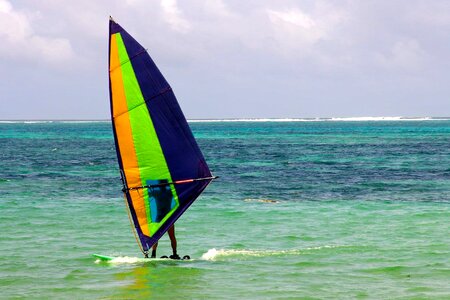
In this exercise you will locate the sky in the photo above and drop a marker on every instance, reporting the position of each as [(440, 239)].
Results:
[(232, 58)]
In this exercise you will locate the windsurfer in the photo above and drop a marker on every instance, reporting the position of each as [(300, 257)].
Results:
[(173, 243)]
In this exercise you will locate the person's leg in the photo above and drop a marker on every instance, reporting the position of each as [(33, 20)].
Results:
[(173, 239), (154, 250)]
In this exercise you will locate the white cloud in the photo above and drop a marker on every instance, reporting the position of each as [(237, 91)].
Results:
[(294, 29), (405, 54), (293, 17), (53, 50), (217, 8), (433, 13), (13, 26), (174, 17), (297, 32), (19, 39)]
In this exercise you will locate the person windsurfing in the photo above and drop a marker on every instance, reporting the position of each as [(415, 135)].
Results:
[(163, 170)]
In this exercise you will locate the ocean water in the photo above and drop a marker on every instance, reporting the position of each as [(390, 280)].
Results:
[(302, 210)]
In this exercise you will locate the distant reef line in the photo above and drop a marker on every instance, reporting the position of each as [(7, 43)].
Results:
[(318, 119)]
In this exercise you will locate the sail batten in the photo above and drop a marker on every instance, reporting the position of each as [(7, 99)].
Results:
[(127, 61), (169, 183), (145, 101), (162, 167)]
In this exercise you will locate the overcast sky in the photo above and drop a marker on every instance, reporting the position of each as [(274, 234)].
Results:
[(232, 58)]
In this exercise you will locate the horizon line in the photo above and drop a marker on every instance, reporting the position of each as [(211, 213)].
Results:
[(262, 119)]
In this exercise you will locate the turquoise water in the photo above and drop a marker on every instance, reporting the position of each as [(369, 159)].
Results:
[(302, 210)]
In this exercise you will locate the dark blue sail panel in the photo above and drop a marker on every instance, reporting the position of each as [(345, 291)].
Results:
[(114, 27), (150, 79)]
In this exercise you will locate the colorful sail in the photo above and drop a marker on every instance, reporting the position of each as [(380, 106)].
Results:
[(163, 170)]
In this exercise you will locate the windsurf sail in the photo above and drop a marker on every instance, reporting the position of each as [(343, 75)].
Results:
[(162, 168)]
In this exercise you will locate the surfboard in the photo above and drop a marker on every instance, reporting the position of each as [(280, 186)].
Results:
[(106, 258), (103, 257)]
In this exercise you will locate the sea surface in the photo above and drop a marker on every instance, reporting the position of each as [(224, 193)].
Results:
[(320, 209)]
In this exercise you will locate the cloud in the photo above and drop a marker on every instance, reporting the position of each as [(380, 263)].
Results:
[(20, 41), (293, 17), (405, 54), (174, 17), (436, 13), (317, 57), (301, 34), (294, 28), (217, 8)]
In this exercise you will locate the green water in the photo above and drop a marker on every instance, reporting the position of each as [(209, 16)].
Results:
[(302, 210)]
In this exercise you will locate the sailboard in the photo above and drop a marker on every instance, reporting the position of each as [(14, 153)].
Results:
[(133, 260), (103, 257), (162, 168)]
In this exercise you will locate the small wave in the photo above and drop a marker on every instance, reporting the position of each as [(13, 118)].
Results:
[(37, 122), (261, 200), (214, 254)]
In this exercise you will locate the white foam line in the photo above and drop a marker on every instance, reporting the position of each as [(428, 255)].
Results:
[(382, 119), (125, 260), (254, 120), (332, 119), (84, 121), (121, 260), (213, 254), (51, 121)]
